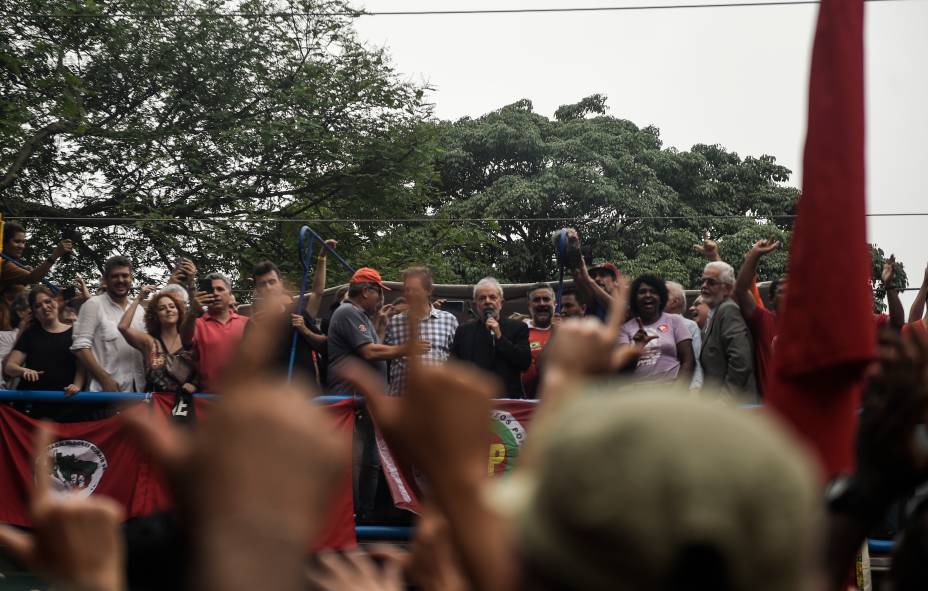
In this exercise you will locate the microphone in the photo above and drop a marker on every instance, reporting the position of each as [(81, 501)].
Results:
[(487, 314)]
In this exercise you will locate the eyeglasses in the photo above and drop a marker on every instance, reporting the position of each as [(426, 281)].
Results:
[(711, 282)]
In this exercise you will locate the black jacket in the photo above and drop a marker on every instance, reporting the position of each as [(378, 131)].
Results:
[(507, 357)]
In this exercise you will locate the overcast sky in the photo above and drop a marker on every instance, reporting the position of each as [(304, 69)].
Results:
[(733, 76)]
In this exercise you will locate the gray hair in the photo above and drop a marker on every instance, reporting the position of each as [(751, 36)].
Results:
[(181, 292), (676, 290), (726, 271), (488, 282), (214, 276)]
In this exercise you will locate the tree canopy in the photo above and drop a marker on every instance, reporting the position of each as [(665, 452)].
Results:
[(216, 136)]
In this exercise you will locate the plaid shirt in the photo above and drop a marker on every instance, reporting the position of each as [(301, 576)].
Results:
[(438, 329)]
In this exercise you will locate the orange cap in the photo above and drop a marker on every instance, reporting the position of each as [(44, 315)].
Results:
[(368, 275)]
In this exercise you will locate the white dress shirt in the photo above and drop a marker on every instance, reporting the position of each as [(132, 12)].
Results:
[(96, 329)]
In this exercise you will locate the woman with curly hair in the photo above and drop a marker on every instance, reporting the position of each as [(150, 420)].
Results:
[(162, 340), (668, 353)]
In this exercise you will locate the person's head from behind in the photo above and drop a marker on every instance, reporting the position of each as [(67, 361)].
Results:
[(44, 306), (718, 281), (221, 289), (266, 277), (606, 275), (676, 298), (417, 285), (647, 297), (571, 305), (117, 276), (165, 310), (699, 312), (541, 304), (613, 504), (14, 240), (777, 292), (488, 297)]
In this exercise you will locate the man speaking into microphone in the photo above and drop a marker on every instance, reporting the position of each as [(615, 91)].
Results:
[(494, 344)]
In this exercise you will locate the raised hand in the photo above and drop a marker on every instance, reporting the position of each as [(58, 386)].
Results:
[(762, 247), (146, 291), (889, 271), (64, 247), (255, 479), (75, 542), (356, 571), (586, 346), (709, 249)]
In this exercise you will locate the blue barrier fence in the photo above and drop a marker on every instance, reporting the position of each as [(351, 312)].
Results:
[(364, 532)]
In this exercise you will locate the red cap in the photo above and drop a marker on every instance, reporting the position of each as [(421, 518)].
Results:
[(368, 275), (607, 267)]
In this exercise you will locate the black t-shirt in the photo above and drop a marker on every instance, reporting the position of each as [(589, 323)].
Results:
[(47, 352)]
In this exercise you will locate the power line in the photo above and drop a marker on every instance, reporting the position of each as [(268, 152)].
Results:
[(425, 220), (461, 12)]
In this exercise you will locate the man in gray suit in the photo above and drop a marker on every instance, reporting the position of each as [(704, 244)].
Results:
[(727, 356)]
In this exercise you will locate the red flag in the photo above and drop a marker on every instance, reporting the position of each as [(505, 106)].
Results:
[(93, 457), (826, 336)]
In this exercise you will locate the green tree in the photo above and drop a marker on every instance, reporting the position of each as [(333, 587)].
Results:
[(635, 202), (193, 124)]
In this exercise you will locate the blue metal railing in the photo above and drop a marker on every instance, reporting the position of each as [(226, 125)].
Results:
[(95, 397)]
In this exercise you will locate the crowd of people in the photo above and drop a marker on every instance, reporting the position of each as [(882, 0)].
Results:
[(599, 471)]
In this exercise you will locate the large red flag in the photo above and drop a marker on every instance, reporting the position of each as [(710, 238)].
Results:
[(93, 457), (826, 335)]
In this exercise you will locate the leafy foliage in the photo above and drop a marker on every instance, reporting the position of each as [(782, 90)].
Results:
[(216, 137), (193, 123)]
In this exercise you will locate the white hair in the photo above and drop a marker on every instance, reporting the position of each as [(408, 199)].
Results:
[(676, 290), (726, 271), (488, 282), (177, 289)]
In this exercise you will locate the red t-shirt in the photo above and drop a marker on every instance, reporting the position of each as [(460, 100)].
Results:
[(215, 344), (763, 325), (537, 338)]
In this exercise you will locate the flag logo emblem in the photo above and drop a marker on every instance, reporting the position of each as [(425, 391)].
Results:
[(506, 437), (76, 466)]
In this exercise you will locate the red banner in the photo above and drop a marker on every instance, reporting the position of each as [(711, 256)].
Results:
[(99, 457), (508, 427), (93, 457)]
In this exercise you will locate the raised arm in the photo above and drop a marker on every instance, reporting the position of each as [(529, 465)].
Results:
[(39, 273), (743, 286), (137, 338), (917, 311), (896, 311), (198, 304), (314, 300)]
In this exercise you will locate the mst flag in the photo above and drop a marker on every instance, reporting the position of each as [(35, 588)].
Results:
[(507, 428), (826, 336), (93, 457)]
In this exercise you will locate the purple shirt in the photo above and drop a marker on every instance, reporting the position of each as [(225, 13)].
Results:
[(659, 361)]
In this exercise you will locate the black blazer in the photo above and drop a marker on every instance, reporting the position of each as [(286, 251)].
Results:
[(507, 357)]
